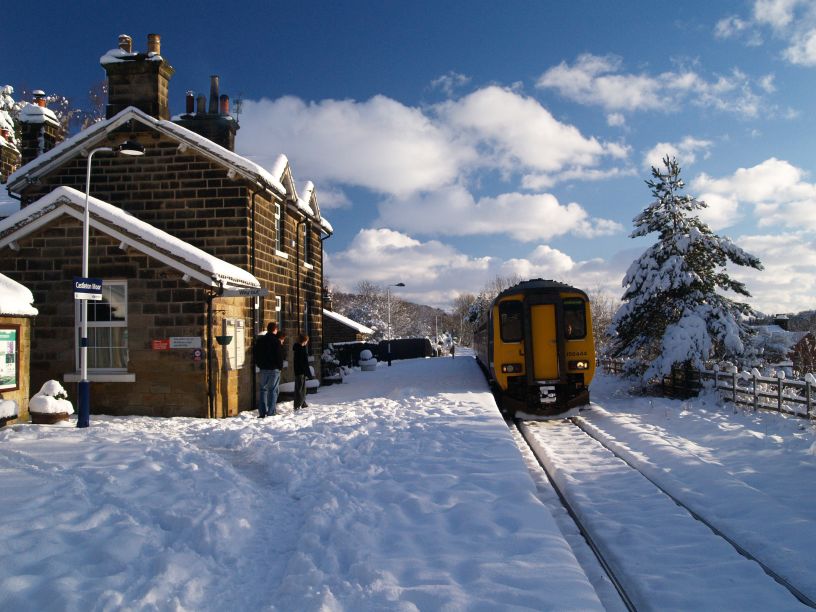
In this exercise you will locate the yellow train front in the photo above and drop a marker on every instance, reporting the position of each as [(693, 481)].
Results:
[(535, 344)]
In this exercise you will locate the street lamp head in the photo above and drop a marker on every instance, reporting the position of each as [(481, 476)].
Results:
[(398, 285), (131, 148)]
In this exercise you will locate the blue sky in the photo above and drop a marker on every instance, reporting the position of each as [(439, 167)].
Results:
[(452, 142)]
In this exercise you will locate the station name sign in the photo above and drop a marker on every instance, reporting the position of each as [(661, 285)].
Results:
[(87, 288)]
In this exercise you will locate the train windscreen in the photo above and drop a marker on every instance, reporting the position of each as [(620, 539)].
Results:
[(511, 322), (575, 319)]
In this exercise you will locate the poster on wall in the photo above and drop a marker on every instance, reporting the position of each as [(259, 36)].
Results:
[(9, 358)]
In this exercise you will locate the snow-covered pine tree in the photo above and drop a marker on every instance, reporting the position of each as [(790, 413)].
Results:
[(672, 310)]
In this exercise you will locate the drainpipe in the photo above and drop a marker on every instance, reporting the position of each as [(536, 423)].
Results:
[(297, 270), (210, 381), (255, 330)]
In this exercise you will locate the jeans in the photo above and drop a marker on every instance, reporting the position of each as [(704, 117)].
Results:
[(270, 383)]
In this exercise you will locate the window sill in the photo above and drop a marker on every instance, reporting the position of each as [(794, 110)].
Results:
[(123, 377), (281, 254), (308, 266)]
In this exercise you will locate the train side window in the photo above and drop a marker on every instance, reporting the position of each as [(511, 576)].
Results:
[(510, 317), (575, 319)]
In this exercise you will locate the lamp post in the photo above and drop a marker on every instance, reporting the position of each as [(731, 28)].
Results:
[(131, 149), (388, 297)]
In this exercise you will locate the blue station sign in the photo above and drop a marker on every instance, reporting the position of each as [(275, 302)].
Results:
[(87, 288)]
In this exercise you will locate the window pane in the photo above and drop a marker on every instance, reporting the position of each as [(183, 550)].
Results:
[(574, 319), (511, 319), (107, 328), (117, 297), (118, 351), (98, 347)]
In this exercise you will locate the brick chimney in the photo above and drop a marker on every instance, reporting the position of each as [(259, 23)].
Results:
[(213, 122), (40, 129), (137, 79)]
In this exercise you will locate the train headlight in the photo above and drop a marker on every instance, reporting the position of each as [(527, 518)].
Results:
[(511, 368), (578, 365)]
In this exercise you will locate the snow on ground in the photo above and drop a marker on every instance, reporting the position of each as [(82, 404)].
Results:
[(400, 489)]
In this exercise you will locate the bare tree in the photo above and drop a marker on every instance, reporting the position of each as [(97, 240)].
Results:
[(603, 306)]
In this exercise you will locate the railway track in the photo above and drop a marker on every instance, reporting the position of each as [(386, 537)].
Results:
[(656, 551)]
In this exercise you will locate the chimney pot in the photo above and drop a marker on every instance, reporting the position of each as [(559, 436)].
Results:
[(201, 107), (224, 105), (189, 103), (125, 43), (154, 44), (213, 94), (39, 97)]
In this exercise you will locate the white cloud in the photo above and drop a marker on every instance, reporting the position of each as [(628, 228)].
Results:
[(776, 188), (776, 13), (598, 80), (721, 211), (330, 198), (435, 273), (802, 50), (450, 83), (792, 21), (509, 129), (615, 119), (379, 144), (525, 217), (685, 151), (393, 149), (728, 27), (536, 182), (787, 284)]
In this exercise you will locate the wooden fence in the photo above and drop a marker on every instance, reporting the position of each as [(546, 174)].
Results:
[(750, 389)]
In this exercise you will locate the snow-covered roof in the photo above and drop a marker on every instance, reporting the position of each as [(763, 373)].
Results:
[(98, 132), (358, 327), (133, 232), (277, 179), (15, 299)]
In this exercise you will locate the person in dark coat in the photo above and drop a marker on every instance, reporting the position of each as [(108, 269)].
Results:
[(268, 355), (302, 370)]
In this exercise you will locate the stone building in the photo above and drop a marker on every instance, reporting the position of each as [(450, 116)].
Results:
[(190, 187), (338, 328)]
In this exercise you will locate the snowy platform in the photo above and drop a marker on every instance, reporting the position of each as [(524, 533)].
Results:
[(401, 488)]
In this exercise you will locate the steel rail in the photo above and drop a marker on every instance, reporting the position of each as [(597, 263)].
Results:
[(605, 565), (742, 551)]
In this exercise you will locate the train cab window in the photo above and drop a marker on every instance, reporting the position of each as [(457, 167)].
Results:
[(511, 321), (575, 319)]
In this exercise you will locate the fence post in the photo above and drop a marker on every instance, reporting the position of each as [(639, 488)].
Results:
[(756, 397), (807, 394), (734, 385), (779, 380)]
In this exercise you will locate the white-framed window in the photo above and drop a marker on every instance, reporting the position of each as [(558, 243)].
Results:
[(279, 218), (107, 329), (279, 311), (307, 242)]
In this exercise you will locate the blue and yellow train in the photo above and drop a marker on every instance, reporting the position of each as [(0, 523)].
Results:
[(535, 344)]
